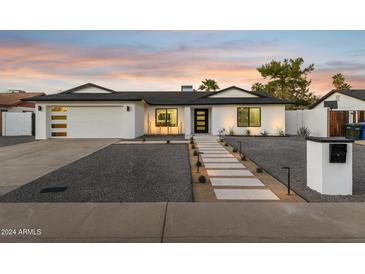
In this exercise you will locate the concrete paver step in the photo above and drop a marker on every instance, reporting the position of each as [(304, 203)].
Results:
[(228, 172), (236, 182), (215, 155), (245, 194), (220, 160), (225, 165)]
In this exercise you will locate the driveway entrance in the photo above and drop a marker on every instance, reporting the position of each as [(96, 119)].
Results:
[(22, 163)]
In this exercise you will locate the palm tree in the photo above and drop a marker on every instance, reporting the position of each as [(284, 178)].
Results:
[(209, 85), (338, 80)]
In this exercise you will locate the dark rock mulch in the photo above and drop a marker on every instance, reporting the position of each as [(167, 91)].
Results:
[(117, 173), (273, 153)]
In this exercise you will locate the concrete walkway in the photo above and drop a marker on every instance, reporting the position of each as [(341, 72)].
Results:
[(230, 178), (22, 163), (183, 222)]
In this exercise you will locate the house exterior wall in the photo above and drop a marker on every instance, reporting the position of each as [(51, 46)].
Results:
[(272, 119), (344, 102), (150, 121), (316, 120), (20, 109)]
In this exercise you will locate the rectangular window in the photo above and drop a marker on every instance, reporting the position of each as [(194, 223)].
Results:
[(249, 117), (59, 109), (59, 117), (59, 126), (59, 134), (166, 117)]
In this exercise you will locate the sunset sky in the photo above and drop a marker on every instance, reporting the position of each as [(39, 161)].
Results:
[(50, 61)]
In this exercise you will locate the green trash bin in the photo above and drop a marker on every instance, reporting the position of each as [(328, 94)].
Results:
[(353, 131), (356, 131), (348, 133)]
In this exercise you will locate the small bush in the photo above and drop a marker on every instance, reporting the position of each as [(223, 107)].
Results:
[(202, 179), (259, 170), (191, 142), (303, 132), (167, 141), (193, 146), (198, 163), (231, 132), (281, 132), (225, 144), (235, 149), (191, 139), (221, 140), (144, 139), (264, 133), (248, 132), (195, 153), (243, 157)]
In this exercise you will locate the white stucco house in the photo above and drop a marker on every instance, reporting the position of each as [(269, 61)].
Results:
[(92, 111)]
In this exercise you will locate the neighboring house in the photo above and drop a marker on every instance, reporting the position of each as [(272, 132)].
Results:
[(12, 102), (344, 106), (92, 111)]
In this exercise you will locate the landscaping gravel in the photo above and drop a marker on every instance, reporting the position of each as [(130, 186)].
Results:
[(14, 140), (117, 173), (273, 153)]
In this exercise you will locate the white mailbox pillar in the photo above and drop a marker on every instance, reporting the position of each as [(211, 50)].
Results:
[(329, 165)]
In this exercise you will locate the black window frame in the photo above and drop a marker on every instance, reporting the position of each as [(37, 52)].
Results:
[(248, 123), (177, 117)]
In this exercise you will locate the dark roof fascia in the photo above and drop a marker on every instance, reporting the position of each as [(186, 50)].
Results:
[(86, 86), (235, 87), (323, 98)]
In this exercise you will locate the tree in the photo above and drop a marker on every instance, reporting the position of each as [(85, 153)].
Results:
[(209, 85), (257, 87), (288, 80), (338, 80)]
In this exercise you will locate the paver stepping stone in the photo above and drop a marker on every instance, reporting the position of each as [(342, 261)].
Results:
[(236, 182), (208, 146), (225, 165), (220, 160), (228, 172), (215, 155), (215, 152), (213, 148), (245, 194)]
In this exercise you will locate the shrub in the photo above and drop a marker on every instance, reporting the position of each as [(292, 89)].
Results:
[(198, 163), (235, 149), (167, 141), (221, 140), (195, 153), (281, 132), (193, 146), (243, 157), (144, 139), (248, 132), (231, 132), (264, 133), (259, 170), (191, 142), (202, 179), (303, 132), (191, 139), (225, 144)]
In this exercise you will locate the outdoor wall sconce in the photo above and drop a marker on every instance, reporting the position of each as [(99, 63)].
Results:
[(39, 108), (128, 108)]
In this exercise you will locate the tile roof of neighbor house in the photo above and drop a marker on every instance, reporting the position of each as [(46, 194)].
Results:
[(9, 99), (355, 93), (160, 97)]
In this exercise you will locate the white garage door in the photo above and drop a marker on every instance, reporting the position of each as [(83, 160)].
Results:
[(89, 122)]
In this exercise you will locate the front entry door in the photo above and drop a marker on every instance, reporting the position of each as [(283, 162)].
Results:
[(201, 121)]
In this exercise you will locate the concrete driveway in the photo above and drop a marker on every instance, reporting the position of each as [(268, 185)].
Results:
[(22, 163)]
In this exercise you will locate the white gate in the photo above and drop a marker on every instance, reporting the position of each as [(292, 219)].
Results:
[(16, 124)]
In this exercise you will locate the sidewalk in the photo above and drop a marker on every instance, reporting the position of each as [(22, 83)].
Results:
[(183, 222)]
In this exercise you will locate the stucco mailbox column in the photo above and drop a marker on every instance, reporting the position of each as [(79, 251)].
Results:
[(329, 165)]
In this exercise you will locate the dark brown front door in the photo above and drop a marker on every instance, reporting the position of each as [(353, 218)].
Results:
[(201, 121)]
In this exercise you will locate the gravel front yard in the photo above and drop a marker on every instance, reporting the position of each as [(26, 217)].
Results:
[(14, 140), (117, 173), (272, 153)]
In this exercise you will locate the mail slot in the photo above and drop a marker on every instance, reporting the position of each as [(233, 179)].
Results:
[(338, 153)]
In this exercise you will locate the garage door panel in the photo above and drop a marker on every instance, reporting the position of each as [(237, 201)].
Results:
[(95, 122)]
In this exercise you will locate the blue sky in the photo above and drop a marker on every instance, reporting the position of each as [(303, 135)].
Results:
[(50, 61)]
